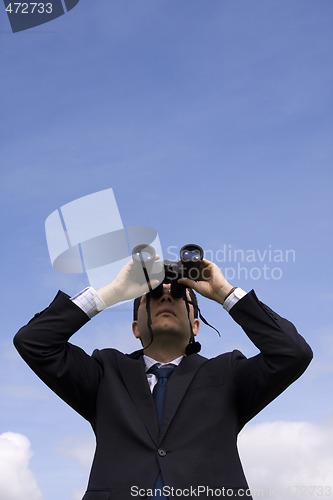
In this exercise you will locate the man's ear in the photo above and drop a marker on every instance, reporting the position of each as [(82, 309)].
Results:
[(195, 326), (135, 329)]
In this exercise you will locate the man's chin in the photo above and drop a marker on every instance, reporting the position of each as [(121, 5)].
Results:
[(166, 331), (165, 321)]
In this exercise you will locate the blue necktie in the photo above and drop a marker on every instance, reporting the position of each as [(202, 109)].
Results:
[(159, 391)]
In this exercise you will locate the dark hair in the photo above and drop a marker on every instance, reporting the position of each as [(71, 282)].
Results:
[(137, 302)]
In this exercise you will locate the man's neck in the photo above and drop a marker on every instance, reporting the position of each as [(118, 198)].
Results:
[(163, 354)]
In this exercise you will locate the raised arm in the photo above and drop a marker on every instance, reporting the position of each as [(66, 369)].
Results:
[(284, 354), (64, 367), (44, 342)]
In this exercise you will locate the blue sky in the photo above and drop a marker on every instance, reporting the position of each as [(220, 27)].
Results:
[(212, 122)]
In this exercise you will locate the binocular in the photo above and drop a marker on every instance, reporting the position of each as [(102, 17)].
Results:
[(189, 266)]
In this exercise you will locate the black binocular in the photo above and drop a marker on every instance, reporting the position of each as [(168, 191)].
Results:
[(189, 266)]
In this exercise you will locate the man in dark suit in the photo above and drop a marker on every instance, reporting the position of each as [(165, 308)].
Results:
[(186, 442)]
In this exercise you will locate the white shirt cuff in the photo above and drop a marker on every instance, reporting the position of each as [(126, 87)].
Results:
[(89, 301), (233, 298)]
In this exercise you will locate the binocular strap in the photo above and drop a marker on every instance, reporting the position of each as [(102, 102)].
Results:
[(193, 346)]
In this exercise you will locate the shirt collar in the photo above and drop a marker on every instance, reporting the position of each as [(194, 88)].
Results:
[(149, 362)]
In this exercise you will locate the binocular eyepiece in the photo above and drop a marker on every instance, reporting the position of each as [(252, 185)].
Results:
[(189, 266)]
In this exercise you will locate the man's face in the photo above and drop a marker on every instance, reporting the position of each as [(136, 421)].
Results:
[(169, 319)]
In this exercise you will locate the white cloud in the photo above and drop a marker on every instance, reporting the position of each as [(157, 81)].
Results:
[(81, 449), (16, 480), (288, 459)]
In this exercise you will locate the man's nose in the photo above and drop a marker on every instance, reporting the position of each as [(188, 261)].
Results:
[(166, 296)]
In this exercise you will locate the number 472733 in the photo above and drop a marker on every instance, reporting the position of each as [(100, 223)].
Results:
[(29, 8)]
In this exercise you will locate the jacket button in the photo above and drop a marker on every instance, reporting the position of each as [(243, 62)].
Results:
[(161, 452)]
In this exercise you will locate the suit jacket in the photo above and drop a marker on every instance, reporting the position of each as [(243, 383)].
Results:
[(207, 403)]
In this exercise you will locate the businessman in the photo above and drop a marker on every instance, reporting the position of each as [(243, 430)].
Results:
[(166, 419)]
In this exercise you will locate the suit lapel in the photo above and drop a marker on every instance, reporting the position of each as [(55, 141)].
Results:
[(134, 376), (132, 370), (177, 386)]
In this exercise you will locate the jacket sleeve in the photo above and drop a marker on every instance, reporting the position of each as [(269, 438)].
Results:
[(284, 356), (64, 367)]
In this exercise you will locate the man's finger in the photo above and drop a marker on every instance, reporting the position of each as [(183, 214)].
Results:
[(187, 282)]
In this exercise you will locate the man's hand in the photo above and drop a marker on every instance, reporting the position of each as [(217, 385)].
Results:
[(128, 284), (212, 284)]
